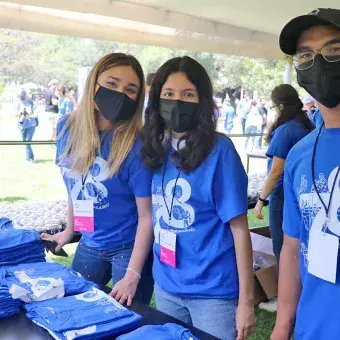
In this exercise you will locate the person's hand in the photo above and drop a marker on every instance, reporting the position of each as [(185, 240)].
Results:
[(258, 210), (245, 320), (61, 238), (279, 334), (125, 290)]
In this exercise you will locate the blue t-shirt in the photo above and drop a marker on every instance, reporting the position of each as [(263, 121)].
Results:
[(27, 106), (91, 315), (206, 199), (169, 331), (282, 140), (42, 281), (319, 308), (229, 114), (115, 209), (65, 106), (315, 117)]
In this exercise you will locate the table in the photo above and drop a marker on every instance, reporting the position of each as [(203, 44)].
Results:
[(18, 327), (260, 155)]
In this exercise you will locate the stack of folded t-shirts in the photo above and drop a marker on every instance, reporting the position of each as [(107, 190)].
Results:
[(169, 331), (90, 315), (42, 281), (19, 246), (8, 305)]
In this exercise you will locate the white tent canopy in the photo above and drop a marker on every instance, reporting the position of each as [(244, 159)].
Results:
[(245, 28)]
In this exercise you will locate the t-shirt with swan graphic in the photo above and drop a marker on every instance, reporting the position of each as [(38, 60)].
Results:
[(304, 212), (115, 209), (204, 201)]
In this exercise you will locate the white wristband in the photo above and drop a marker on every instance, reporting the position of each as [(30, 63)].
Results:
[(133, 271)]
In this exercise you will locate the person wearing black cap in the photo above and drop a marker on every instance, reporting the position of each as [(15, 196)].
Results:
[(309, 282)]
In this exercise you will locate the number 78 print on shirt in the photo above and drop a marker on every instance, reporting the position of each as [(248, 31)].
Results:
[(183, 214)]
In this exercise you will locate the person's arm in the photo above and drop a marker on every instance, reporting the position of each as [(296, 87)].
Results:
[(289, 289), (66, 236), (125, 289), (245, 319), (274, 175)]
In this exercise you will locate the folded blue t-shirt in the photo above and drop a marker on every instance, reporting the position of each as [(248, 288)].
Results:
[(86, 315), (8, 305), (43, 281), (19, 246), (169, 331)]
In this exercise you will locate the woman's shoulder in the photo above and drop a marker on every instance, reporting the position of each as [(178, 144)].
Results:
[(224, 144)]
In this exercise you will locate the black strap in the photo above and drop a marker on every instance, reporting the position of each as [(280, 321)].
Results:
[(327, 208), (83, 180), (169, 210)]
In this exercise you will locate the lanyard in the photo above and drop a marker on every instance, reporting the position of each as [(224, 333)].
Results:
[(169, 210), (83, 180), (327, 208)]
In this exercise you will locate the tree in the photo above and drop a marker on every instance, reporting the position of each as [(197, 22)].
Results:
[(38, 58)]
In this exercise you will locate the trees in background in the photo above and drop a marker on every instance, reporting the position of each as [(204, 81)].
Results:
[(38, 58)]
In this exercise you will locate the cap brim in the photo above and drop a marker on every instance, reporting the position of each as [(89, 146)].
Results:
[(292, 31)]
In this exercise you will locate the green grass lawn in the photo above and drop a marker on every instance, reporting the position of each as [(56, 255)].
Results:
[(23, 181)]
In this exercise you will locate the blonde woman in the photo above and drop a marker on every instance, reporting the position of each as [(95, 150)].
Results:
[(108, 186)]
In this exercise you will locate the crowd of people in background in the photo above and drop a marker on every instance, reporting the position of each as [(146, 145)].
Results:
[(256, 116)]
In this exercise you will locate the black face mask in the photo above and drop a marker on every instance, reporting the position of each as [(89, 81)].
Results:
[(322, 81), (179, 116), (114, 105)]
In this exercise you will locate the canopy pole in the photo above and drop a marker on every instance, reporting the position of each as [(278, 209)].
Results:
[(288, 75)]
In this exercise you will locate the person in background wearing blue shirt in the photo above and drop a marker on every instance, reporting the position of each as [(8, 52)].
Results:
[(313, 112), (98, 154), (27, 123), (309, 282), (65, 105), (202, 250), (290, 126), (228, 113)]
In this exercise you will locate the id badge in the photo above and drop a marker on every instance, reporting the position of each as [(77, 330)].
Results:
[(168, 247), (323, 255), (83, 216)]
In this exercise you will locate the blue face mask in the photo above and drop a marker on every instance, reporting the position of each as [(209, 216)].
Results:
[(113, 105)]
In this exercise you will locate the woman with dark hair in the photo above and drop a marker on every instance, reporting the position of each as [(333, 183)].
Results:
[(290, 126), (203, 257)]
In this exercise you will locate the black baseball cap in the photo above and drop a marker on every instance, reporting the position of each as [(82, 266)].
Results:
[(292, 31)]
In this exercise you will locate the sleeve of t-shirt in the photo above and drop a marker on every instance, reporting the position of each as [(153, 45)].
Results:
[(291, 210), (60, 140), (280, 144), (140, 177), (230, 186)]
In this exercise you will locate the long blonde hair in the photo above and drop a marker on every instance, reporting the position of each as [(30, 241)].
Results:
[(83, 144)]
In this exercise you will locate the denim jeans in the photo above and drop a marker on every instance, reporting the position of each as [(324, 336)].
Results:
[(213, 316), (102, 266), (276, 200), (243, 124), (250, 130), (27, 135)]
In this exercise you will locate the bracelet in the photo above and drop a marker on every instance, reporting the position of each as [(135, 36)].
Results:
[(133, 271), (262, 200)]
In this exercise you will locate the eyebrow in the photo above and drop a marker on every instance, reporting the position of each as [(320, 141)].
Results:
[(119, 80), (170, 89), (330, 42)]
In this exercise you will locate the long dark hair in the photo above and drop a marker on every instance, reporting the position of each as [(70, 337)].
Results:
[(199, 141), (286, 98)]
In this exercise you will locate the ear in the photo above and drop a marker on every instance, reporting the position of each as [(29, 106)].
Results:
[(281, 107)]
